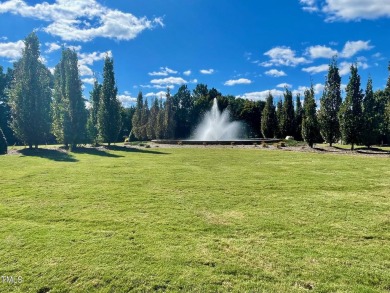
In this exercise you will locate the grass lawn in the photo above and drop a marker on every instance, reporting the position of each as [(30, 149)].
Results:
[(194, 219)]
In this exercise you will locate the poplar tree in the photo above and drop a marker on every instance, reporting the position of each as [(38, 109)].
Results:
[(109, 113), (136, 120), (330, 105), (268, 118), (30, 96), (3, 143), (351, 110), (309, 118), (69, 113), (287, 116), (370, 133), (279, 120), (92, 124), (298, 118), (169, 117)]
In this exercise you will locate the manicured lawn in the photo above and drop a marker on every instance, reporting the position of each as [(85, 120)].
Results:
[(201, 219)]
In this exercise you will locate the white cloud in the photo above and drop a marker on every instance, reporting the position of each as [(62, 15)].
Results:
[(52, 47), (160, 94), (262, 95), (282, 56), (284, 85), (275, 73), (351, 48), (88, 59), (207, 71), (238, 81), (82, 20), (168, 80), (11, 50), (356, 10), (187, 73), (316, 69), (320, 52), (345, 67), (90, 80), (348, 10), (164, 71), (126, 99)]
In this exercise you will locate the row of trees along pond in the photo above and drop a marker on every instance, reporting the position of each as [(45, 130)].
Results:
[(37, 107)]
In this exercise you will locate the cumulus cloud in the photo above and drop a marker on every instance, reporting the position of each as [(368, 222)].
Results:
[(282, 56), (275, 73), (126, 99), (164, 71), (168, 81), (348, 10), (51, 47), (316, 69), (187, 73), (352, 48), (160, 94), (88, 59), (11, 50), (261, 95), (345, 67), (320, 52), (284, 85), (238, 81), (207, 71), (82, 20), (89, 80)]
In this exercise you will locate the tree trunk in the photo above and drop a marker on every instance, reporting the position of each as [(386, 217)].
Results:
[(30, 146), (352, 147), (36, 146)]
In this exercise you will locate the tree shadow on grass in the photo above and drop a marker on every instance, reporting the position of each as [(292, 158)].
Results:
[(95, 152), (135, 150), (372, 151), (50, 154)]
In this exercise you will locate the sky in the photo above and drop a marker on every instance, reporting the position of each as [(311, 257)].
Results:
[(242, 48)]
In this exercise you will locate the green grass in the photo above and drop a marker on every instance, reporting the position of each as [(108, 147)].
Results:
[(201, 219)]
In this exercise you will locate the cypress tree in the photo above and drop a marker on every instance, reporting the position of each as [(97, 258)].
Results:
[(268, 118), (3, 143), (109, 115), (370, 134), (92, 124), (287, 118), (330, 105), (69, 113), (144, 120), (351, 110), (169, 117), (298, 118), (160, 120), (136, 120), (279, 120), (309, 118), (30, 96)]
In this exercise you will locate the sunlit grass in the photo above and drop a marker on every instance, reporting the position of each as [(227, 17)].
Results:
[(201, 219)]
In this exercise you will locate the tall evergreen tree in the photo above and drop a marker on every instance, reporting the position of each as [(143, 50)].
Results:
[(351, 110), (109, 115), (5, 110), (298, 118), (136, 121), (268, 118), (370, 133), (92, 124), (330, 105), (69, 113), (279, 120), (183, 105), (287, 118), (30, 96), (160, 120), (310, 130), (144, 120), (3, 143), (169, 117), (153, 117)]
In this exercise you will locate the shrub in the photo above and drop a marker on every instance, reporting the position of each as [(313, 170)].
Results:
[(3, 143)]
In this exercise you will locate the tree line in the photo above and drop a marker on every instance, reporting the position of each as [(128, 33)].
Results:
[(37, 107)]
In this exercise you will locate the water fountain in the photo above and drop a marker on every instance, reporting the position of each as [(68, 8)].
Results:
[(216, 128)]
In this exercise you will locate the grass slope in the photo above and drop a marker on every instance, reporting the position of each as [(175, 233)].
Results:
[(194, 220)]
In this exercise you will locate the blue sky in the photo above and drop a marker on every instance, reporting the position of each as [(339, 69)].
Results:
[(243, 48)]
